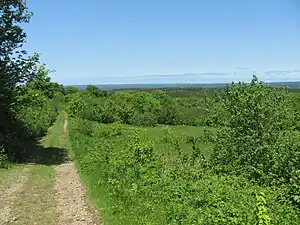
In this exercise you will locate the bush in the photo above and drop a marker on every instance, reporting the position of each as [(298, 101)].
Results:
[(37, 119), (169, 112), (123, 105), (108, 112), (34, 115), (143, 119), (76, 105), (257, 135)]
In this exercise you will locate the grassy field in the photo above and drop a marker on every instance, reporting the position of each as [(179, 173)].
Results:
[(158, 175)]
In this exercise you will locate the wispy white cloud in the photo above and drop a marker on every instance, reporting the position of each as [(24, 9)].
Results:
[(240, 74), (282, 72), (282, 75)]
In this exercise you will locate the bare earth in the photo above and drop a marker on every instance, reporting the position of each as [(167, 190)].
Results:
[(71, 202), (21, 202), (71, 198), (9, 196)]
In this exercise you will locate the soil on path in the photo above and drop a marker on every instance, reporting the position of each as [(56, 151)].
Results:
[(72, 204), (30, 195), (71, 201)]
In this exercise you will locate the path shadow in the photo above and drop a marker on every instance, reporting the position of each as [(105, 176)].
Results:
[(38, 154), (21, 145), (31, 151)]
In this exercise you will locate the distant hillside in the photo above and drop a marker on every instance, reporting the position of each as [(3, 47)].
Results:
[(291, 85)]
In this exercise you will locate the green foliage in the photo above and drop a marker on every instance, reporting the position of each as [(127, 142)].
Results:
[(30, 97), (38, 118), (37, 111), (145, 102), (76, 105), (141, 108), (294, 189), (101, 109), (168, 135), (41, 81), (69, 90), (59, 100), (95, 91), (33, 116), (123, 105), (160, 175), (261, 210), (15, 66), (85, 127), (167, 175), (143, 119), (169, 112), (26, 107), (257, 134), (108, 112)]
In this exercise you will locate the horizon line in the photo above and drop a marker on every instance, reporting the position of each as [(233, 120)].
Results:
[(179, 83)]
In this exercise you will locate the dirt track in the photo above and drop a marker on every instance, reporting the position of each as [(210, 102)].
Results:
[(46, 194)]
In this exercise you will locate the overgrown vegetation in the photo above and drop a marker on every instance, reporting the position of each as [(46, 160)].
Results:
[(241, 169)]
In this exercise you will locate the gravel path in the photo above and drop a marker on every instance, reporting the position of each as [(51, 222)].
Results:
[(71, 201), (24, 199), (70, 198), (9, 196)]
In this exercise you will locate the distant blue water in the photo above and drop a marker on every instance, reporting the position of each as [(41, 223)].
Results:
[(292, 85)]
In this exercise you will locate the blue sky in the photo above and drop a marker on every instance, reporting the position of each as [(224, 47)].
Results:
[(164, 41)]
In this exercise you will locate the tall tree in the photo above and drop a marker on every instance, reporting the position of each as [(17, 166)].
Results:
[(15, 66)]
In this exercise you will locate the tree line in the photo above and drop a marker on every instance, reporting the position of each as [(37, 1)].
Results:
[(136, 107), (29, 101)]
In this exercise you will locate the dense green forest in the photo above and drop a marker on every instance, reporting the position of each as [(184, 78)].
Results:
[(159, 156)]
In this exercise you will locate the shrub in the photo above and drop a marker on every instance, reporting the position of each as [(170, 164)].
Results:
[(108, 113), (37, 119), (76, 105), (169, 112), (37, 124), (143, 119), (257, 135), (123, 105)]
